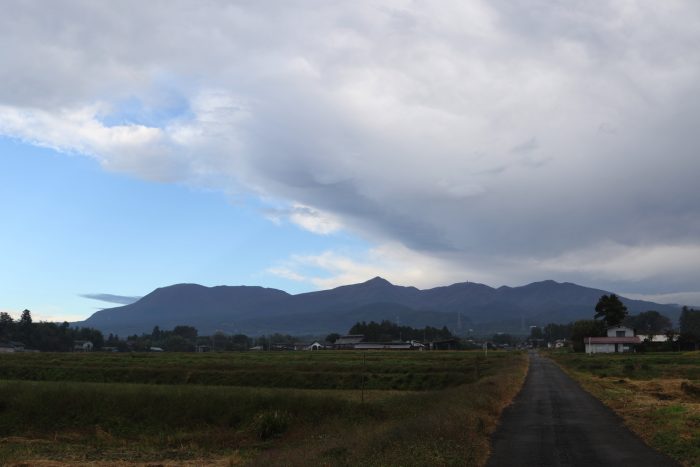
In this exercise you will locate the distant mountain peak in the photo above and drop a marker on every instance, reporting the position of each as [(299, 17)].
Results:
[(378, 281), (545, 282)]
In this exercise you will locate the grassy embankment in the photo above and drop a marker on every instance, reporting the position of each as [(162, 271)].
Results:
[(268, 408), (658, 395)]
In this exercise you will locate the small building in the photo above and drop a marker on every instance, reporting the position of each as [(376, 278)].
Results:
[(658, 338), (348, 342), (383, 346), (445, 344), (619, 339), (82, 346), (203, 348), (560, 343), (315, 345), (155, 349), (415, 345), (11, 347)]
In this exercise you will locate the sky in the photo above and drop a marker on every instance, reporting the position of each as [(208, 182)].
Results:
[(303, 145)]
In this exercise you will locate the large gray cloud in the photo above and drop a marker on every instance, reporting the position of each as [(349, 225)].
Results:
[(520, 138)]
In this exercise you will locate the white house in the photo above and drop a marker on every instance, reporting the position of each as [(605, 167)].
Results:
[(82, 346), (619, 339)]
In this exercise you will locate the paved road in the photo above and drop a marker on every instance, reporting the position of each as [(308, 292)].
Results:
[(553, 422)]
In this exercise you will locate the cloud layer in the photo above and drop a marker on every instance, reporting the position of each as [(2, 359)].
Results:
[(110, 298), (502, 141)]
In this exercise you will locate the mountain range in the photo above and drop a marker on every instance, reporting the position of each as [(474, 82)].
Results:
[(257, 310)]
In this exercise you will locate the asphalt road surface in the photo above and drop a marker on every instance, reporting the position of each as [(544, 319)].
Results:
[(553, 422)]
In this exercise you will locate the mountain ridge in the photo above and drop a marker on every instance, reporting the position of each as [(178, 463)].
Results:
[(258, 310)]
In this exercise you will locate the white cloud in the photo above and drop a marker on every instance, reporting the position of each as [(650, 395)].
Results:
[(49, 314), (393, 262), (489, 133), (314, 220), (286, 273), (681, 298), (625, 263)]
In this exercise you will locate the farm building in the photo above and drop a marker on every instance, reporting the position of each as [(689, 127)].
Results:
[(446, 344), (619, 339), (348, 342), (82, 346), (383, 346), (315, 345)]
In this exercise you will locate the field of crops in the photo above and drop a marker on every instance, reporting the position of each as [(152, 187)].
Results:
[(311, 408), (657, 394), (310, 370)]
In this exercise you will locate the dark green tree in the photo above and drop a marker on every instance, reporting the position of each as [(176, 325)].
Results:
[(555, 331), (649, 322), (176, 343), (187, 332), (585, 328), (611, 309), (26, 319), (25, 327), (388, 331), (690, 326), (239, 342), (6, 325), (332, 337), (503, 339)]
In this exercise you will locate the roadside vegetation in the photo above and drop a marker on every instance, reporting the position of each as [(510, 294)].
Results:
[(291, 408), (657, 395)]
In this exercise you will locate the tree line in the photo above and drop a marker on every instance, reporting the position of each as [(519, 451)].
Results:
[(386, 331), (44, 336), (610, 311)]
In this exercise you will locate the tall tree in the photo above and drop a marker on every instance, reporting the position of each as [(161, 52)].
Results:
[(611, 309), (690, 326), (649, 322), (6, 325), (26, 319), (25, 327), (187, 332), (585, 328)]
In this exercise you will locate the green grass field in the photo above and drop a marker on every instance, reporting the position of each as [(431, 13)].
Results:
[(291, 408), (657, 394)]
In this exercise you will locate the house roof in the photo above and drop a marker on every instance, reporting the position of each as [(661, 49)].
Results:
[(612, 340), (349, 339), (382, 345)]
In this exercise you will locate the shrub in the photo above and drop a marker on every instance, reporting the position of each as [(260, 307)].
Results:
[(691, 389), (270, 423)]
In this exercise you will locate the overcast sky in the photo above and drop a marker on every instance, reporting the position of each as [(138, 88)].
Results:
[(308, 144)]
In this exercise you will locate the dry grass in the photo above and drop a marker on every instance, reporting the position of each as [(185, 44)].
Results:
[(93, 424), (450, 427), (230, 461), (663, 411)]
